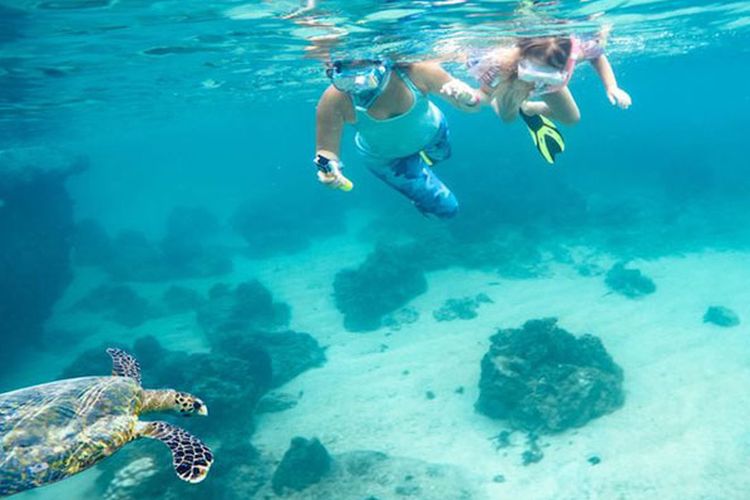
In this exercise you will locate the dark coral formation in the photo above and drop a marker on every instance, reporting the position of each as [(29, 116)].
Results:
[(463, 308), (117, 303), (385, 282), (36, 224), (292, 353), (541, 378), (248, 306), (231, 379), (303, 464), (187, 249), (721, 316), (247, 318), (629, 282)]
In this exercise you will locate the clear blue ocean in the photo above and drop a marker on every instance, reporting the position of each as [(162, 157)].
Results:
[(577, 330)]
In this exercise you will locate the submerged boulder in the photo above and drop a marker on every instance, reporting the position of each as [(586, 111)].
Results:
[(721, 316), (631, 283), (248, 306), (291, 353), (304, 464), (384, 283), (248, 318), (541, 378)]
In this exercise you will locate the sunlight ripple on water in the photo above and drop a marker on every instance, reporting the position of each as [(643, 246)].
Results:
[(114, 52)]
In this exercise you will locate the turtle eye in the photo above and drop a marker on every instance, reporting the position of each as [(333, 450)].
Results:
[(197, 405)]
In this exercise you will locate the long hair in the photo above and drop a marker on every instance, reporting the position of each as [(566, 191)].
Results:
[(552, 51)]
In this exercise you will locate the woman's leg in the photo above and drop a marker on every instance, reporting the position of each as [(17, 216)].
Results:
[(413, 177), (562, 107), (559, 106)]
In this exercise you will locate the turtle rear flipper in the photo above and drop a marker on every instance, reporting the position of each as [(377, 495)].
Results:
[(124, 365), (190, 457)]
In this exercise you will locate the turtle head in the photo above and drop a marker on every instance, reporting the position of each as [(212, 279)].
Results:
[(187, 404), (171, 400)]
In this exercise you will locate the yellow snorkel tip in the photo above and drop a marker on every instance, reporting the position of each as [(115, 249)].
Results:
[(345, 185)]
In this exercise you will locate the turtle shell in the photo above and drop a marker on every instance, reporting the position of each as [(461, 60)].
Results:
[(51, 431)]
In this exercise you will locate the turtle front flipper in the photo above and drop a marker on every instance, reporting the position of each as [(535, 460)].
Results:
[(124, 365), (190, 457)]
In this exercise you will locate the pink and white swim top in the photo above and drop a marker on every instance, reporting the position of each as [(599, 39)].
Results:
[(487, 68)]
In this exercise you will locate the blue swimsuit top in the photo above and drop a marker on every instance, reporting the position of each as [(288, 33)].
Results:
[(401, 135)]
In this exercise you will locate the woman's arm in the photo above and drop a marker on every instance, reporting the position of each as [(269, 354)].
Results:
[(431, 78), (329, 124), (507, 96), (615, 94), (330, 117)]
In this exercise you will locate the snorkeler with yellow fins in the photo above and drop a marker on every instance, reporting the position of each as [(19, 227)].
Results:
[(531, 79), (401, 134)]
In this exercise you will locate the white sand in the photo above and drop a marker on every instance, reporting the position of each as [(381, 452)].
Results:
[(683, 432)]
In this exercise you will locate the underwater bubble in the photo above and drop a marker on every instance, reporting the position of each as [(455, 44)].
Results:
[(211, 84)]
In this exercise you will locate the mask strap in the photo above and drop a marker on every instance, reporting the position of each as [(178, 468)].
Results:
[(575, 54)]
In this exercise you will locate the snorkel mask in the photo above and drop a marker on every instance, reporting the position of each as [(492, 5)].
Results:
[(545, 78), (363, 80)]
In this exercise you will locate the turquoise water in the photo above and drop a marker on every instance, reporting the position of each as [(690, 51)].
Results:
[(157, 194)]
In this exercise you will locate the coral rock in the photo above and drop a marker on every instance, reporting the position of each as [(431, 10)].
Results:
[(304, 463), (721, 316), (629, 282), (385, 282), (541, 378)]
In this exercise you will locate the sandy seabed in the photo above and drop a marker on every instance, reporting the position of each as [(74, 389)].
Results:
[(682, 433)]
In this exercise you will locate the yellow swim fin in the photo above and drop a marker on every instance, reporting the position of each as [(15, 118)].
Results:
[(547, 139)]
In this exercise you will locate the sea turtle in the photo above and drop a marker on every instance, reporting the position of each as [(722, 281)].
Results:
[(52, 431)]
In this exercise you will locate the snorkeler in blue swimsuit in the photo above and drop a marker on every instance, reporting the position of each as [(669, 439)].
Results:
[(401, 134)]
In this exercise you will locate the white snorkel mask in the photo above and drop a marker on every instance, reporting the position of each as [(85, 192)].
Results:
[(545, 78), (363, 80)]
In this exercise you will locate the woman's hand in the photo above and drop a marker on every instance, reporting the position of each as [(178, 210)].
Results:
[(460, 92), (619, 97), (335, 180)]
